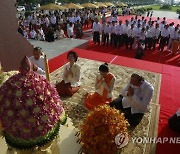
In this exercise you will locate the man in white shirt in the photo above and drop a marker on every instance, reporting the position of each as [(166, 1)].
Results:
[(119, 32), (125, 30), (47, 21), (113, 35), (173, 34), (96, 31), (53, 21), (134, 99), (164, 37), (149, 36), (38, 64), (174, 121), (155, 34), (131, 35), (107, 31), (33, 34)]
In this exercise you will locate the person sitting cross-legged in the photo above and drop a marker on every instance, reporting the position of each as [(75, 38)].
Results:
[(71, 77), (134, 99), (103, 88)]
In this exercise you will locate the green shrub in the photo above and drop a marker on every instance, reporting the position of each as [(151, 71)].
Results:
[(166, 7), (148, 9)]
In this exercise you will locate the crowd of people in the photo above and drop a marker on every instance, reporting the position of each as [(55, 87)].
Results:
[(42, 26), (116, 33)]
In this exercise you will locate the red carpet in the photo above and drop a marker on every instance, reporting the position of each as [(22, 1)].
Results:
[(150, 55), (169, 92)]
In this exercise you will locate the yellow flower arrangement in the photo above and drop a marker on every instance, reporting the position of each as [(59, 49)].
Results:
[(100, 128)]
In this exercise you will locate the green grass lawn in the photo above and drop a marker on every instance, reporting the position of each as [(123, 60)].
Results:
[(157, 7)]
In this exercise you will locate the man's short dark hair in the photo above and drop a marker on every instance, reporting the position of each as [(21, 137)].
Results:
[(38, 49), (74, 55), (138, 77)]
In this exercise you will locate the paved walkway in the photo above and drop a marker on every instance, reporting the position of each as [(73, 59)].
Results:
[(167, 14), (54, 49)]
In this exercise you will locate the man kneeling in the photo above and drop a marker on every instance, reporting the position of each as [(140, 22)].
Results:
[(134, 99)]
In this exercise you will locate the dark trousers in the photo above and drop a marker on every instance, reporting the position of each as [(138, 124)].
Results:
[(113, 39), (163, 42), (106, 39), (174, 123), (96, 37), (133, 119), (130, 42), (125, 39), (148, 42), (120, 40), (154, 42)]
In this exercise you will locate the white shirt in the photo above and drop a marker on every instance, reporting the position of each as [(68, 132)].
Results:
[(177, 35), (53, 20), (161, 26), (171, 28), (125, 29), (113, 29), (40, 64), (149, 33), (70, 30), (165, 32), (119, 29), (139, 102), (72, 19), (142, 35), (78, 18), (96, 27), (137, 31), (130, 32), (156, 32), (75, 79), (25, 34), (33, 34), (47, 21), (107, 29)]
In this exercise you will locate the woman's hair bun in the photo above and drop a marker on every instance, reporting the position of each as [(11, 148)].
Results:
[(106, 64)]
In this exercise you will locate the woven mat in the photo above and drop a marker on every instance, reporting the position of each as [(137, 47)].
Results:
[(75, 109)]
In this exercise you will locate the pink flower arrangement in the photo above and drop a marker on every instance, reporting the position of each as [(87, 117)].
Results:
[(30, 107)]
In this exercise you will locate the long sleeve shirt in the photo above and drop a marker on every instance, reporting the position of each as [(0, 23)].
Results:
[(139, 102), (107, 29), (96, 27), (131, 32), (125, 29), (137, 31), (119, 29), (113, 29), (156, 32), (74, 78), (165, 32), (40, 64)]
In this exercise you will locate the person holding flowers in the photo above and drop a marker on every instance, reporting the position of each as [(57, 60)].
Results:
[(103, 88)]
